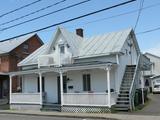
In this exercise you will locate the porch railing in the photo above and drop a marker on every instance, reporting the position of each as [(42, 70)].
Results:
[(46, 60), (88, 99), (25, 98)]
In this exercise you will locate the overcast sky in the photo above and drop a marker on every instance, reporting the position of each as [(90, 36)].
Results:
[(149, 19)]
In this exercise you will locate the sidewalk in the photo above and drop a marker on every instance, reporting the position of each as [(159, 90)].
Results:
[(83, 115)]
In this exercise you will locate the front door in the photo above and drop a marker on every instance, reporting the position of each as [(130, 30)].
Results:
[(64, 87)]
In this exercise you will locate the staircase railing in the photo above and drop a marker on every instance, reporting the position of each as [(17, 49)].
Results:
[(133, 85)]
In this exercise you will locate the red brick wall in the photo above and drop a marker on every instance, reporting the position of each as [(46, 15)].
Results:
[(18, 54), (4, 63), (9, 61)]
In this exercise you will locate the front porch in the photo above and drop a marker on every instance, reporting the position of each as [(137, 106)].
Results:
[(92, 86)]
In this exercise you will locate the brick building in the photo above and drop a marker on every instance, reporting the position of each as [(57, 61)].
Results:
[(11, 52)]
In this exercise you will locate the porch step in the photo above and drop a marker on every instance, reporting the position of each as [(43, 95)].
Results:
[(51, 107)]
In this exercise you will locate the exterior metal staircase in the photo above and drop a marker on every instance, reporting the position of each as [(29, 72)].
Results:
[(123, 100)]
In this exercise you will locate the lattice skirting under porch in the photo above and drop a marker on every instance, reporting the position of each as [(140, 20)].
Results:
[(85, 109)]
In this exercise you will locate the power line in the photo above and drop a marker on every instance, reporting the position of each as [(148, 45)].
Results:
[(117, 15), (39, 10), (70, 6), (147, 31), (72, 19), (17, 9), (139, 13)]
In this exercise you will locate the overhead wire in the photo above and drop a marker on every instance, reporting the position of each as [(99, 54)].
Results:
[(33, 19), (32, 13), (73, 19), (17, 9)]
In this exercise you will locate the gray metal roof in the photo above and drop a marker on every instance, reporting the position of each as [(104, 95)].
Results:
[(9, 45), (103, 44), (84, 47)]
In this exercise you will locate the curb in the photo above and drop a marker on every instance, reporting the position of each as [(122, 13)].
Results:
[(60, 115)]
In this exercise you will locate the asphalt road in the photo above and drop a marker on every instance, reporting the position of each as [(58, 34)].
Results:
[(153, 108), (25, 117)]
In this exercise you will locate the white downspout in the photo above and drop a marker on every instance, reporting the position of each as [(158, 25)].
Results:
[(142, 86), (61, 87), (117, 82), (40, 86), (109, 87)]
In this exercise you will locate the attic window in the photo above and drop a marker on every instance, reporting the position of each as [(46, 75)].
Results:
[(25, 46), (62, 50)]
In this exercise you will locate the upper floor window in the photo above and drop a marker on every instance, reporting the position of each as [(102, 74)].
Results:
[(25, 46), (62, 49)]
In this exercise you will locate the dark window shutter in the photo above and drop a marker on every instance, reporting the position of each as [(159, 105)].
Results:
[(43, 84), (88, 82), (84, 82)]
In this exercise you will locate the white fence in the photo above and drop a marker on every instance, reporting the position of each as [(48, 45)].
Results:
[(25, 98), (88, 99)]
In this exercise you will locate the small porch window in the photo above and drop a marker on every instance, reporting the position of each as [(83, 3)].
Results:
[(86, 82)]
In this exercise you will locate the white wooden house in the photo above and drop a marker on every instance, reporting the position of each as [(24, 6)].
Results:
[(81, 74), (154, 73)]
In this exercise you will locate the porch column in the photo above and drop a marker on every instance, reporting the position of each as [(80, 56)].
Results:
[(40, 88), (10, 88), (108, 85), (61, 86)]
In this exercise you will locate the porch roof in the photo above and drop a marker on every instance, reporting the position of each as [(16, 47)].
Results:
[(64, 68)]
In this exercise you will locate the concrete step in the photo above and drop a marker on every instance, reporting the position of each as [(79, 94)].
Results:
[(50, 109)]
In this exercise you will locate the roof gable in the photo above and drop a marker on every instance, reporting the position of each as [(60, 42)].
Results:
[(73, 40), (8, 45)]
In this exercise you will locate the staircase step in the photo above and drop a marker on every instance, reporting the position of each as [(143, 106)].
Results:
[(122, 105), (123, 95), (126, 91), (122, 98), (121, 109), (123, 101)]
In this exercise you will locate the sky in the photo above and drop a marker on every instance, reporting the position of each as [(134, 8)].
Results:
[(96, 24)]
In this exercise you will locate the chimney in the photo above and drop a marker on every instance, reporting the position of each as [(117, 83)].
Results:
[(79, 32)]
